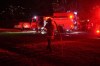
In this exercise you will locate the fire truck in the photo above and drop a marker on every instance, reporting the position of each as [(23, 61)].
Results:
[(26, 25), (66, 22)]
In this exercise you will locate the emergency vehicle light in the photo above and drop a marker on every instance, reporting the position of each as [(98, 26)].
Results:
[(97, 31)]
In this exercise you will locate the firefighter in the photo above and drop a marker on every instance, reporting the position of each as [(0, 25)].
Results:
[(50, 32)]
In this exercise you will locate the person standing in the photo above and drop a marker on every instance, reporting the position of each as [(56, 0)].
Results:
[(50, 32)]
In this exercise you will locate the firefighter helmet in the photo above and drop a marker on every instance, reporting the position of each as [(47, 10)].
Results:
[(49, 20)]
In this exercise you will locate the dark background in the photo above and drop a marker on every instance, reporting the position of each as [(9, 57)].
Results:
[(13, 11), (44, 7), (40, 7)]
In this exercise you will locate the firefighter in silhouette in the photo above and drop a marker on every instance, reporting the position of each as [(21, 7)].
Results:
[(50, 32)]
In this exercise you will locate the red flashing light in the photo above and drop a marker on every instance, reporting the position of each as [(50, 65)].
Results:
[(97, 31), (71, 16)]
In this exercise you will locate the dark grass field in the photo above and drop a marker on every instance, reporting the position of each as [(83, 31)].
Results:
[(27, 49)]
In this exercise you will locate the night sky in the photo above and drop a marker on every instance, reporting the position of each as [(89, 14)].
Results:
[(23, 8), (13, 11), (40, 7)]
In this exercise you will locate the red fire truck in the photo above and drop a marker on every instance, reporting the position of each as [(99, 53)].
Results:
[(33, 25), (66, 21)]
